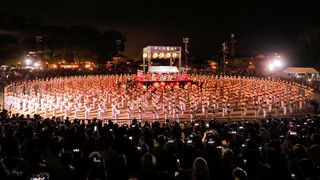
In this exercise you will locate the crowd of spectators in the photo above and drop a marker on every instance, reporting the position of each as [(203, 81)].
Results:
[(37, 148)]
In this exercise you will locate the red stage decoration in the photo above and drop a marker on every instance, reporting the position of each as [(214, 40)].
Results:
[(156, 85), (177, 83), (194, 86), (144, 87), (171, 84), (162, 88), (162, 84), (152, 88), (139, 84)]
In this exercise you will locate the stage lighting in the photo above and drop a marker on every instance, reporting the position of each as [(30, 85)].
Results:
[(161, 55), (174, 55), (155, 55), (28, 61), (36, 65), (145, 55), (271, 67), (277, 63)]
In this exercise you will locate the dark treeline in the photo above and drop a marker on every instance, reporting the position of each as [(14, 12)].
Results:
[(75, 43)]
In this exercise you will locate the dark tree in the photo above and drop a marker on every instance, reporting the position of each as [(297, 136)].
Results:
[(52, 43), (309, 46)]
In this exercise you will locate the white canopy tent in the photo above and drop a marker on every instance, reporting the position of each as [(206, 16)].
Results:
[(300, 70)]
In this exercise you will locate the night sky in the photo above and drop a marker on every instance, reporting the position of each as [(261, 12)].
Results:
[(260, 26)]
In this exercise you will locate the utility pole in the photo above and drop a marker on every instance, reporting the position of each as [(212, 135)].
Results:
[(224, 54), (186, 41), (232, 44)]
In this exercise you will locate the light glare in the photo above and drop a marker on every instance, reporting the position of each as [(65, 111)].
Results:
[(28, 62), (277, 63), (271, 67)]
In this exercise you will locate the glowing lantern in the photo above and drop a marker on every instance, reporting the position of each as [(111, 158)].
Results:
[(155, 55), (152, 88), (162, 84), (145, 55), (156, 85), (144, 87), (161, 55), (177, 83), (139, 84), (168, 55), (194, 86), (171, 84), (174, 55), (189, 84)]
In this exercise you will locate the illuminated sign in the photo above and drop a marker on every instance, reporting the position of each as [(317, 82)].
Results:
[(163, 48), (161, 52)]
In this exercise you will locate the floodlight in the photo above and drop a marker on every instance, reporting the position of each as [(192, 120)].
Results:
[(28, 61)]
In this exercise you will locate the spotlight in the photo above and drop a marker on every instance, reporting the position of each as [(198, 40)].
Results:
[(28, 61)]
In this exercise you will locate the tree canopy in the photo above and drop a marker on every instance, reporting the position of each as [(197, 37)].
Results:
[(75, 43)]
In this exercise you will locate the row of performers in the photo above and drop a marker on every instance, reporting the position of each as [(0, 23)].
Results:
[(167, 107)]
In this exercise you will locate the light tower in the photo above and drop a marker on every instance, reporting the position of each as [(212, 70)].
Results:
[(224, 54), (232, 44), (186, 41)]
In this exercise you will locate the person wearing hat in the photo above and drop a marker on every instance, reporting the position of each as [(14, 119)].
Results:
[(67, 109), (192, 113), (242, 110), (166, 112), (277, 106), (270, 104), (229, 109), (213, 112), (291, 105), (101, 111), (300, 102), (141, 112), (285, 107), (129, 111), (178, 113), (77, 107), (117, 112), (182, 105), (155, 113), (264, 108), (256, 108), (87, 108), (206, 109)]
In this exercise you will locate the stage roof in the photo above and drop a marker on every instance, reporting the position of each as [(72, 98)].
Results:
[(163, 69), (300, 70)]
